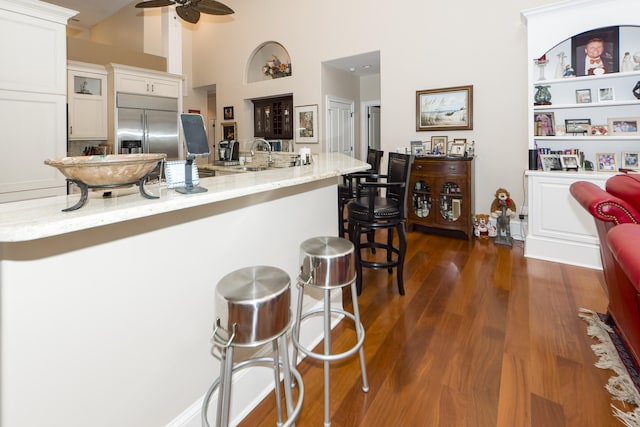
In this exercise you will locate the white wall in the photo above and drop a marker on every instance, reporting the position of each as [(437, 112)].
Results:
[(421, 47)]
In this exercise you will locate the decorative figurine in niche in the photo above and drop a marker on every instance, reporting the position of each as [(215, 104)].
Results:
[(503, 208), (569, 71), (560, 67)]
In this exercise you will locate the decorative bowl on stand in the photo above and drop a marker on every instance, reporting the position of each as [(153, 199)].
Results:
[(111, 171)]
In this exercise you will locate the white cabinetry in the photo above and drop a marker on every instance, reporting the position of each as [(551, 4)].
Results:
[(87, 101), (558, 228), (33, 98), (146, 82)]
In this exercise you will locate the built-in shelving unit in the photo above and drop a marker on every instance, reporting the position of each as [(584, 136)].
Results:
[(558, 227)]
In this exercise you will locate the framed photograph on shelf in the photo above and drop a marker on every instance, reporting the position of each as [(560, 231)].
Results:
[(606, 94), (595, 52), (627, 126), (569, 162), (306, 124), (227, 113), (448, 108), (550, 162), (606, 162), (630, 160), (439, 144), (577, 126), (457, 149), (599, 130), (426, 147), (416, 148), (583, 96), (544, 124), (229, 131)]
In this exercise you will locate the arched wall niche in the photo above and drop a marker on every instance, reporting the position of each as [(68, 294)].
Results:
[(548, 26), (266, 54), (628, 41)]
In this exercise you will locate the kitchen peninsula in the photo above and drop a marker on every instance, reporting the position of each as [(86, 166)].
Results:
[(107, 311)]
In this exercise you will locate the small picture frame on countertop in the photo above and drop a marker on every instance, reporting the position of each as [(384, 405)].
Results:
[(569, 162)]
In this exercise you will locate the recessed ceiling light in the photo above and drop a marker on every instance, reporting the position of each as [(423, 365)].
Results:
[(352, 69), (366, 66)]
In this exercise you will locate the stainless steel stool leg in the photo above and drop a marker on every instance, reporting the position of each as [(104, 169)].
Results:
[(224, 401), (359, 332), (327, 352), (276, 377), (288, 379), (296, 332)]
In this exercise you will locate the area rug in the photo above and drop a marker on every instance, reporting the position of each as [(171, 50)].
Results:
[(613, 355)]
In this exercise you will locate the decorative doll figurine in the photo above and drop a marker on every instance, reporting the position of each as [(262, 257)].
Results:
[(627, 62)]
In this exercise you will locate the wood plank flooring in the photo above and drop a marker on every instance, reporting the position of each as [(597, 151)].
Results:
[(483, 337)]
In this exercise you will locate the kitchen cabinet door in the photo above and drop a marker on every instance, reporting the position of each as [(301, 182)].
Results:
[(87, 102)]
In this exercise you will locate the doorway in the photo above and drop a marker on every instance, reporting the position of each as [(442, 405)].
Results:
[(340, 128)]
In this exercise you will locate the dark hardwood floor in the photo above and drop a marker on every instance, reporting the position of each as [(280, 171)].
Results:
[(483, 337)]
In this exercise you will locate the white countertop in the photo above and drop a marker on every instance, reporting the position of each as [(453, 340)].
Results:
[(40, 218)]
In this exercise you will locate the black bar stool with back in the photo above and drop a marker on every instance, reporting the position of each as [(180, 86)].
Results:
[(374, 209), (347, 190)]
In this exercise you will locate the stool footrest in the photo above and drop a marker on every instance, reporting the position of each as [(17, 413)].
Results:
[(328, 357), (251, 362)]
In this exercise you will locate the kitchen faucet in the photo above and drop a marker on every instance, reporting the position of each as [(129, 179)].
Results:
[(260, 141)]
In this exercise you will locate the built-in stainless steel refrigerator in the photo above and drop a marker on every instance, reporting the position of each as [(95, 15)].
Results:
[(147, 124)]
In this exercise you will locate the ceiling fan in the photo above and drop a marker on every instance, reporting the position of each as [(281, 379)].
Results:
[(190, 10)]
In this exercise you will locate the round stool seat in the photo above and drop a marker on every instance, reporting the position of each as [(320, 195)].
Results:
[(327, 262), (253, 303)]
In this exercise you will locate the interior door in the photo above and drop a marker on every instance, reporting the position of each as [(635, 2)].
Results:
[(373, 127), (340, 126)]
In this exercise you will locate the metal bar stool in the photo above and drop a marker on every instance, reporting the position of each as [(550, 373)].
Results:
[(328, 263), (253, 309)]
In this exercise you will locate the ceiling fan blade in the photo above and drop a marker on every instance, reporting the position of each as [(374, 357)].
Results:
[(212, 7), (188, 13), (155, 3)]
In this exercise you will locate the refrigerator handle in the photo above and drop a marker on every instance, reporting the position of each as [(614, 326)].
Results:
[(145, 132)]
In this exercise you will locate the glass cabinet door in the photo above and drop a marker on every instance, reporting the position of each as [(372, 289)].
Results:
[(84, 85), (421, 199), (450, 201)]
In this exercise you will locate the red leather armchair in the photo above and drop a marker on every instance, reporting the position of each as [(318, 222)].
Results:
[(624, 243), (619, 204)]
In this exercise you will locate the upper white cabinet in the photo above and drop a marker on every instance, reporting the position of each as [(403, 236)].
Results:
[(145, 82), (87, 101), (33, 98)]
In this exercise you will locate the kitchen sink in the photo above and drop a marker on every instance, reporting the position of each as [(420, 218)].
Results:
[(251, 168)]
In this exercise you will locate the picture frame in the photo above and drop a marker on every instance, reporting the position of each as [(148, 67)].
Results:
[(227, 113), (448, 108), (606, 94), (631, 160), (438, 144), (569, 161), (606, 162), (229, 131), (457, 149), (583, 96), (550, 162), (544, 124), (426, 147), (577, 126), (306, 124), (609, 56), (416, 148), (599, 130), (625, 126)]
